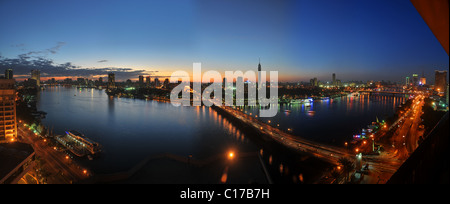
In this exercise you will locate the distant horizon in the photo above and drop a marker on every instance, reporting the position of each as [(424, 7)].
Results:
[(22, 78)]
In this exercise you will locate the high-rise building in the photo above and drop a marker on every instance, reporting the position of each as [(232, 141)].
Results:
[(147, 81), (36, 75), (166, 83), (423, 80), (111, 81), (334, 79), (314, 82), (141, 81), (81, 81), (8, 124), (440, 82), (157, 83), (407, 82), (9, 74)]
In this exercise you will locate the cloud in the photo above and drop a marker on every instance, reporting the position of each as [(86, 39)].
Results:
[(55, 49), (52, 50), (24, 63), (18, 45), (101, 61)]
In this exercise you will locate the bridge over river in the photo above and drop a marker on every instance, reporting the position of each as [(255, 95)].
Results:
[(380, 166)]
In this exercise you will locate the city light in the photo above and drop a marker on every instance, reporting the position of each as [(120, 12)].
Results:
[(126, 102), (231, 155)]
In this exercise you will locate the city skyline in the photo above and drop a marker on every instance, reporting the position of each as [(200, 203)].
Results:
[(290, 37), (224, 92)]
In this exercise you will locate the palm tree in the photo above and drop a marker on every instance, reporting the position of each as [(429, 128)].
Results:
[(347, 166)]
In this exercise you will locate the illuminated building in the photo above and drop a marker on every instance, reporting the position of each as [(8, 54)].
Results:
[(8, 124), (423, 80), (440, 82)]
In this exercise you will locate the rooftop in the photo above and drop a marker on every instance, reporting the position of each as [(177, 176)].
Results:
[(11, 155)]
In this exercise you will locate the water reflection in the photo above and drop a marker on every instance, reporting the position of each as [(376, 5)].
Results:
[(130, 130), (333, 121)]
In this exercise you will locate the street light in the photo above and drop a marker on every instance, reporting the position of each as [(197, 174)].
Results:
[(231, 155)]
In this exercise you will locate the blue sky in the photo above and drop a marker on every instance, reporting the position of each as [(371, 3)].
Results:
[(357, 40), (381, 39)]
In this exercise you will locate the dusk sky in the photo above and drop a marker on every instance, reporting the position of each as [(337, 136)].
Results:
[(357, 40)]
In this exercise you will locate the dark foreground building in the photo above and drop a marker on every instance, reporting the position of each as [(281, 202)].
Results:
[(429, 164), (16, 159)]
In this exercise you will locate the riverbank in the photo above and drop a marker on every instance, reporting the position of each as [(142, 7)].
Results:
[(304, 166)]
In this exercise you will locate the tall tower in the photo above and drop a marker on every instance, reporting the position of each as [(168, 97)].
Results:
[(334, 79), (259, 65), (259, 71), (258, 80), (8, 120)]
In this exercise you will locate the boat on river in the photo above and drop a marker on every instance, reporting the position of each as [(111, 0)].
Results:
[(79, 144)]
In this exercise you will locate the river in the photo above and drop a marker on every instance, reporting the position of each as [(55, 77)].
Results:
[(131, 130)]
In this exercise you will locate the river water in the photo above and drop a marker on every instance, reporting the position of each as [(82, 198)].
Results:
[(333, 121), (131, 130)]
